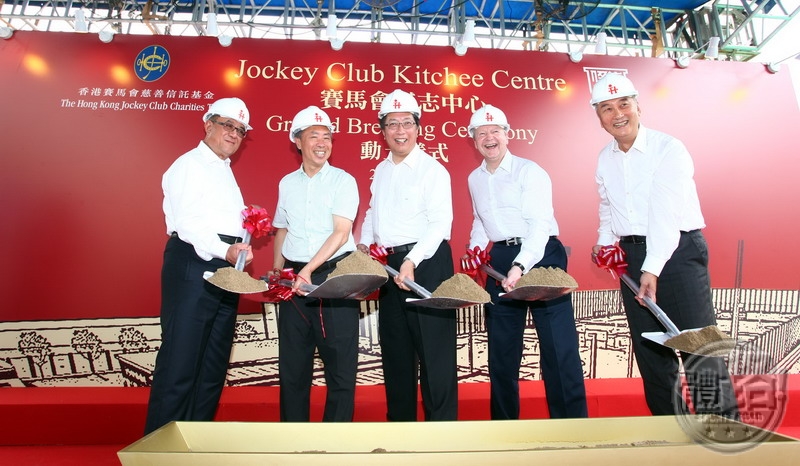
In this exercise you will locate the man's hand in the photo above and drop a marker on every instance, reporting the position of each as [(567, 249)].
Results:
[(233, 253), (512, 277), (406, 271), (647, 287)]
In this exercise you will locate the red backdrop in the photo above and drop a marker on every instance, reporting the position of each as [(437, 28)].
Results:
[(82, 232)]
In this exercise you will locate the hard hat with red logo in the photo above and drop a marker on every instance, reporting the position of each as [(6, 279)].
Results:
[(488, 115), (230, 107), (310, 116), (399, 101), (612, 86)]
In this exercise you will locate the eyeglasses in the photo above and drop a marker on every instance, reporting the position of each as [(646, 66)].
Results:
[(395, 125), (229, 127)]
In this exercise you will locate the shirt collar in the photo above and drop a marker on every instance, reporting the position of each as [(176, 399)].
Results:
[(640, 143), (506, 164), (208, 156), (412, 159)]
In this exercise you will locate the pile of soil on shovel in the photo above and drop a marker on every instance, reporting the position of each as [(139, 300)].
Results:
[(358, 263), (461, 286), (230, 279), (547, 276), (708, 341)]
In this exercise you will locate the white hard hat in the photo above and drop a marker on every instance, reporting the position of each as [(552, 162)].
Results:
[(399, 101), (612, 86), (230, 107), (488, 115), (310, 116)]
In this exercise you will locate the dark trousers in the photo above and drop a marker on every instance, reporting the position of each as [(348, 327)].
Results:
[(197, 327), (559, 357), (684, 293), (329, 326), (419, 342)]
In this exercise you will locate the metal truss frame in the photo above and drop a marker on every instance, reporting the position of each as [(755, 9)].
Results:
[(744, 27)]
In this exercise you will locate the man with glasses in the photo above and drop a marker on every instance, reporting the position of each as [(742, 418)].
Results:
[(512, 204), (411, 214), (203, 210)]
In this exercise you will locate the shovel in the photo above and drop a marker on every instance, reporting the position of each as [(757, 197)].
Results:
[(711, 340), (427, 299), (530, 292), (346, 286), (689, 341), (256, 222)]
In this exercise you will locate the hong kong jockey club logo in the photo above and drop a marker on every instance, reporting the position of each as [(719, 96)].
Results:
[(152, 63), (594, 74)]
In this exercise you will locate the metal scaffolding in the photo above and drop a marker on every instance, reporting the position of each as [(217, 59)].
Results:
[(674, 30)]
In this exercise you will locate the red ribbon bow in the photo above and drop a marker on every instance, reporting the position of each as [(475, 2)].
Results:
[(611, 258), (475, 258), (379, 253), (256, 221), (277, 292)]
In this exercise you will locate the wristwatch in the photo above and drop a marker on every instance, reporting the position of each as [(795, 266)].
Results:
[(521, 267)]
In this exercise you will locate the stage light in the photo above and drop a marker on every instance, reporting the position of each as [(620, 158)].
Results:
[(105, 36), (333, 33), (600, 44), (80, 21), (773, 67), (469, 33), (712, 51), (225, 41), (6, 32), (211, 25), (683, 62), (460, 48), (576, 56)]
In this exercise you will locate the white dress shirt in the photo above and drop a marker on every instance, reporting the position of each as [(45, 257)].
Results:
[(412, 202), (202, 199), (514, 201), (306, 207), (648, 191)]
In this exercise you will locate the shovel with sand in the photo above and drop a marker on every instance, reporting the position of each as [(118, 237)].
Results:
[(539, 284), (256, 223), (455, 292), (695, 340)]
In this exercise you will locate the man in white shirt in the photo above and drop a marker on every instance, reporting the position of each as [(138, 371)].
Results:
[(512, 206), (649, 203), (411, 214), (203, 211), (317, 204)]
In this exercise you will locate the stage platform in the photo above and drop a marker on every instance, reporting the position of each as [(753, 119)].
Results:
[(98, 420)]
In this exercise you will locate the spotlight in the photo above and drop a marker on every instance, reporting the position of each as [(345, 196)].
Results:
[(333, 34), (683, 62), (225, 41), (211, 25), (6, 32), (80, 21), (713, 48), (460, 48), (105, 36), (576, 56), (773, 67), (469, 33), (600, 47)]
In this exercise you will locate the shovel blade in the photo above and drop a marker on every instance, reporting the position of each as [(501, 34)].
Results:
[(242, 282), (537, 292), (698, 341), (441, 302), (348, 286)]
